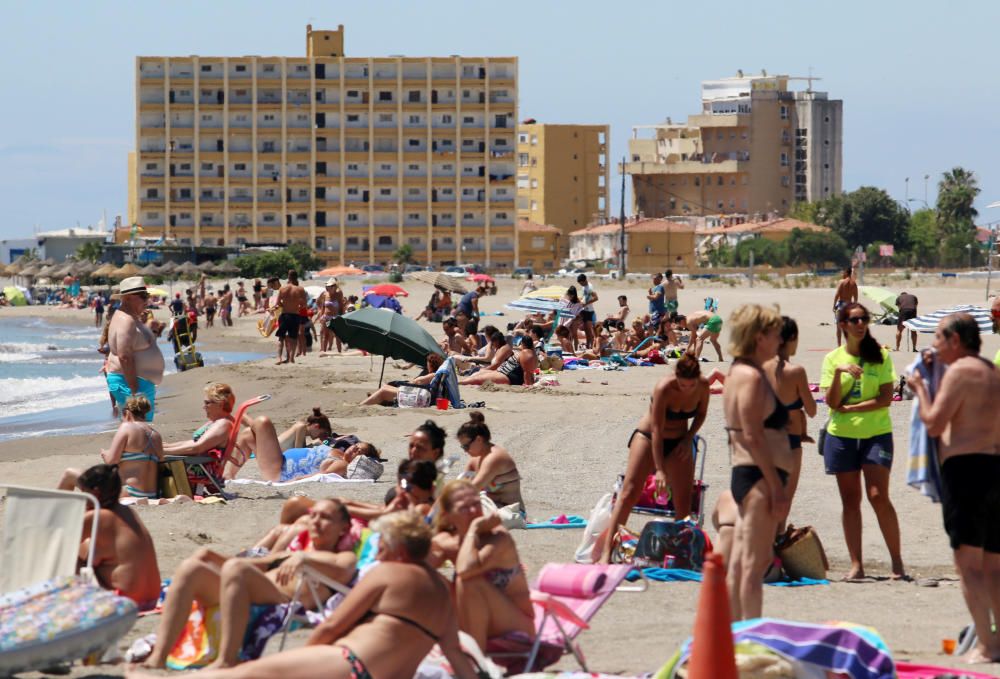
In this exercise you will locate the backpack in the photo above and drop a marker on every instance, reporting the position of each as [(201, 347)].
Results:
[(671, 544)]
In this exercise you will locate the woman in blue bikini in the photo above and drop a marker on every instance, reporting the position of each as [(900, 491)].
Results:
[(136, 449)]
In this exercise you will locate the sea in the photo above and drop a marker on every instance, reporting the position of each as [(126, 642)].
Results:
[(51, 381)]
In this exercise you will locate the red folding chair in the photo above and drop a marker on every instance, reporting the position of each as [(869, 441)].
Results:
[(207, 470)]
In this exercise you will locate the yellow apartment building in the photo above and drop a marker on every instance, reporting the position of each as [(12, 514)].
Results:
[(563, 176), (540, 245), (355, 156), (755, 149)]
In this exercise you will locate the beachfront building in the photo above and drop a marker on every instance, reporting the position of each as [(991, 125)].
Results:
[(756, 148), (355, 156), (562, 175), (650, 244), (732, 234), (540, 246), (54, 245)]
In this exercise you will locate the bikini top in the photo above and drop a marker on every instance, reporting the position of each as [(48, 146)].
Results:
[(413, 623), (141, 455), (681, 414), (779, 417), (797, 404), (501, 577)]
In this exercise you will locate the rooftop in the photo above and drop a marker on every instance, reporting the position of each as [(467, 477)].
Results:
[(636, 226), (781, 225), (529, 226)]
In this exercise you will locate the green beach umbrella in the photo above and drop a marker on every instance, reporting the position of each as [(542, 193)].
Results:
[(14, 296), (882, 296), (387, 334)]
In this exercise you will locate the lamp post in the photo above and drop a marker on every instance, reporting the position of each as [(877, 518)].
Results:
[(968, 249)]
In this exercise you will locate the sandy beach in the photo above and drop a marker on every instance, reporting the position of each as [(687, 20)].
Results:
[(570, 444)]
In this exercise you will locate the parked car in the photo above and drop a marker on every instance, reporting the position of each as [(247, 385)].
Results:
[(373, 268), (523, 272), (473, 268), (411, 268), (456, 271)]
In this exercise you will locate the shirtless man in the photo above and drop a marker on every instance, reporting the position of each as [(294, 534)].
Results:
[(241, 297), (226, 306), (710, 325), (454, 342), (671, 284), (963, 415), (657, 305), (124, 555), (291, 299), (847, 292), (211, 302), (135, 364)]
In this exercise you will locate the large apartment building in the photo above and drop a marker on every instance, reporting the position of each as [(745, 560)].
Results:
[(562, 176), (354, 155), (756, 148)]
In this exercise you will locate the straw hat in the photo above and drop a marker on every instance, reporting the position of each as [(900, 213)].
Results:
[(332, 281), (130, 286)]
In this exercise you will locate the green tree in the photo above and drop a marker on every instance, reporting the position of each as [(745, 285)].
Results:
[(267, 264), (764, 252), (90, 251), (805, 212), (865, 216), (956, 215), (720, 254), (404, 254), (304, 257), (815, 249), (922, 237)]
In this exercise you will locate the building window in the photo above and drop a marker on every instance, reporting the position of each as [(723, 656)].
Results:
[(413, 142), (353, 167), (785, 181), (150, 166), (522, 139), (501, 215), (268, 68), (385, 168), (414, 120), (385, 240), (301, 68), (206, 118), (385, 96), (448, 168), (784, 159), (413, 192), (352, 117), (413, 215), (784, 112), (352, 216), (383, 117), (468, 120), (205, 68), (385, 192), (207, 166), (534, 205), (522, 159), (415, 168), (446, 119), (241, 68)]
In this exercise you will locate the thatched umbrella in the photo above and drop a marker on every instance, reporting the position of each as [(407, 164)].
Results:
[(85, 267), (48, 271), (226, 267), (67, 269), (208, 268), (150, 270), (3, 269), (31, 270), (125, 271), (103, 271), (15, 267), (187, 269)]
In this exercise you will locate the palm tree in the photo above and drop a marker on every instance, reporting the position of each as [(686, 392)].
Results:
[(90, 251), (957, 192)]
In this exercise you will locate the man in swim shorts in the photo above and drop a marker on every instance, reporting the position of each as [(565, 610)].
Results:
[(671, 284), (135, 363), (292, 299), (708, 326), (963, 415), (907, 305)]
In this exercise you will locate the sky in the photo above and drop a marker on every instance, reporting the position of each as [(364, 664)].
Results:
[(919, 79)]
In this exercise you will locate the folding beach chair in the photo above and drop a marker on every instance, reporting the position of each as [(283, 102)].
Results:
[(209, 467), (310, 580), (49, 614), (560, 616), (699, 448)]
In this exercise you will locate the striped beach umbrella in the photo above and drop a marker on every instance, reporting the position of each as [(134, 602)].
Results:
[(928, 322), (536, 305)]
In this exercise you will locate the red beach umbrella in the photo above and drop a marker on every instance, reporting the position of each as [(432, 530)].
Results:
[(387, 290)]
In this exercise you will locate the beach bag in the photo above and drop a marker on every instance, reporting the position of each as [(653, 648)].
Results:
[(802, 554), (671, 544), (364, 467), (656, 357), (412, 396), (600, 519), (821, 437), (172, 479)]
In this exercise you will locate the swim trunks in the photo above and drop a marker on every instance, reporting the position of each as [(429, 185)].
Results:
[(288, 325), (970, 500), (119, 390), (714, 324), (905, 315)]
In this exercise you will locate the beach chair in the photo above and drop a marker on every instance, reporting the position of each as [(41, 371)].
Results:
[(699, 448), (310, 580), (209, 467), (565, 597), (49, 614)]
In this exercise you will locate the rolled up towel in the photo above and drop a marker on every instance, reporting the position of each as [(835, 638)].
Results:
[(580, 581)]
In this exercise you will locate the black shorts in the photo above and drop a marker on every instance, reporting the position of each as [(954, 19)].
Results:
[(745, 477), (588, 316), (905, 315), (288, 325), (970, 501)]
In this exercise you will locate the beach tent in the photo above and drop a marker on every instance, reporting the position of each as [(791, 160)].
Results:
[(928, 322), (14, 295), (438, 280)]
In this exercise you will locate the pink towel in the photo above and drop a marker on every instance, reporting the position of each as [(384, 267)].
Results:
[(907, 670), (580, 581)]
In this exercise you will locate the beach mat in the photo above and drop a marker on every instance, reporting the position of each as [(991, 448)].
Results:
[(319, 478), (561, 521), (682, 575)]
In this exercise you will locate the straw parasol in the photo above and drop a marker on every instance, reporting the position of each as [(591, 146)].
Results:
[(150, 270), (187, 269), (125, 271), (3, 269), (439, 280), (168, 269), (208, 267), (341, 271), (47, 271), (67, 269), (103, 271), (31, 270), (227, 267)]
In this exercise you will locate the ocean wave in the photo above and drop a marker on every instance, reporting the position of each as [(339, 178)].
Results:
[(26, 347), (18, 358), (19, 396)]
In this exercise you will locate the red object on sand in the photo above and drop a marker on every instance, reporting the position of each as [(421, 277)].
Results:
[(712, 654), (387, 290), (481, 278)]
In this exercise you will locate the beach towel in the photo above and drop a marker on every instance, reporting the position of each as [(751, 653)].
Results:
[(852, 650), (923, 471), (561, 521), (445, 383), (683, 575), (905, 670), (319, 478)]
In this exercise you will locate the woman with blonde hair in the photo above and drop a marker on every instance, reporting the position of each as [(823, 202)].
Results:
[(491, 590), (762, 459)]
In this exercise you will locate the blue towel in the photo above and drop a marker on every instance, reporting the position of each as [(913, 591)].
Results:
[(575, 521), (446, 378), (682, 575), (923, 471)]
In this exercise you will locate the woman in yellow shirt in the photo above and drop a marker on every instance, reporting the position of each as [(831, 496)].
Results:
[(858, 380)]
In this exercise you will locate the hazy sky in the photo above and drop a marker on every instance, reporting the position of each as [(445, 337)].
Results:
[(919, 79)]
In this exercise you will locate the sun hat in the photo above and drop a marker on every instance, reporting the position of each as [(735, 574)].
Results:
[(130, 286), (332, 281)]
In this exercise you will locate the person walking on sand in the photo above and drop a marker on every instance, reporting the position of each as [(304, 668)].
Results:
[(907, 305), (98, 311), (858, 379), (291, 299), (963, 415), (671, 284), (135, 364), (226, 306), (657, 305), (847, 293)]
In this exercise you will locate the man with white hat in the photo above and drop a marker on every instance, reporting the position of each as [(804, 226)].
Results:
[(135, 364)]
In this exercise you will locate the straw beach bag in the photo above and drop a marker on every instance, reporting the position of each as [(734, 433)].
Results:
[(801, 553)]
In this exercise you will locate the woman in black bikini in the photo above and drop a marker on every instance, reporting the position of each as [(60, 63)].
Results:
[(678, 409), (762, 458), (517, 370), (491, 590)]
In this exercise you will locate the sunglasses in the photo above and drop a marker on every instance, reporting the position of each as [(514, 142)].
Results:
[(467, 444), (858, 320)]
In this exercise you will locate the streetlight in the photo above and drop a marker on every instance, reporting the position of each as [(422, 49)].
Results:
[(968, 248)]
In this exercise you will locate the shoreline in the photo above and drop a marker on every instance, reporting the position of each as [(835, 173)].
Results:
[(569, 442)]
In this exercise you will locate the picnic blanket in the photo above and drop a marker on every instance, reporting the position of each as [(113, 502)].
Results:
[(561, 521), (683, 575)]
